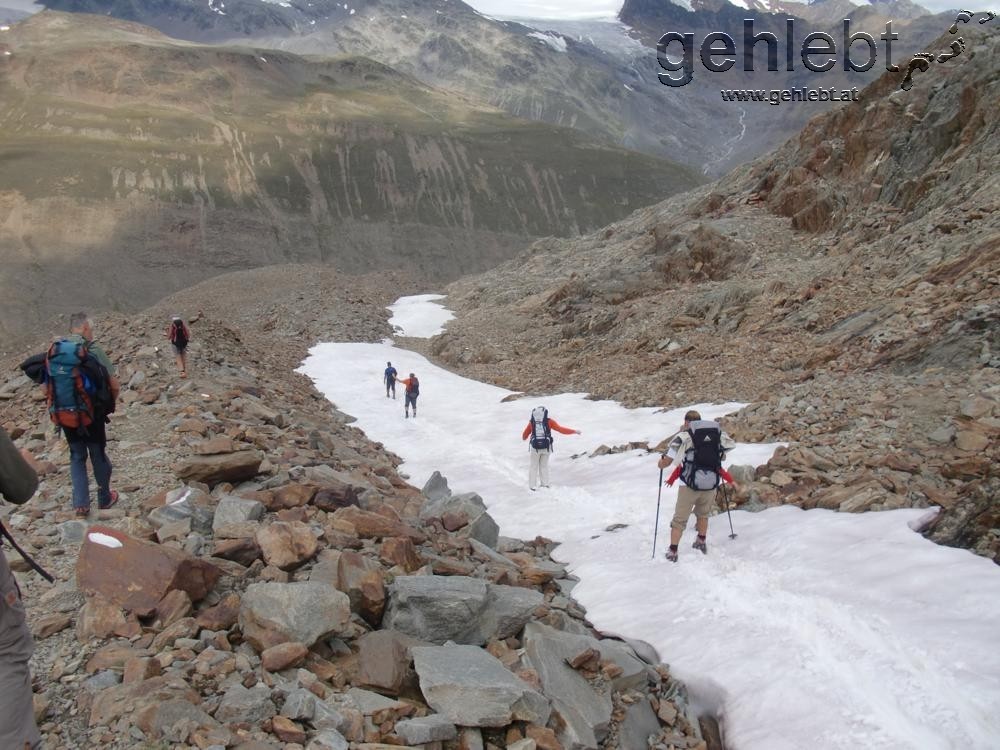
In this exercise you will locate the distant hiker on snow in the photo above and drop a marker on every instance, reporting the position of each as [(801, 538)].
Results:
[(81, 388), (179, 336), (412, 391), (18, 483), (389, 378), (539, 429), (697, 453)]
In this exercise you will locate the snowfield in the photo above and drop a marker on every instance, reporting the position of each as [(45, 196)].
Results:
[(809, 630)]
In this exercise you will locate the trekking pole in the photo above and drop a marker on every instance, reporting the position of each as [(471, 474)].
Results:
[(656, 524), (725, 495)]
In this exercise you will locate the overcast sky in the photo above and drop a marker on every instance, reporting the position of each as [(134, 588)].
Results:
[(537, 8), (602, 8)]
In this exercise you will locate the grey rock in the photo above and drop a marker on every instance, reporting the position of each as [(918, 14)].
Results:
[(183, 503), (233, 510), (72, 532), (436, 488), (457, 608), (326, 716), (273, 613), (491, 554), (639, 723), (433, 728), (584, 713), (468, 503), (470, 687), (104, 679), (484, 529), (251, 705), (174, 720), (300, 705)]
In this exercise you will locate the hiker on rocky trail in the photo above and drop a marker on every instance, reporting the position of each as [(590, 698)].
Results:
[(83, 411), (389, 378), (697, 453), (179, 336), (539, 429), (410, 395), (18, 483)]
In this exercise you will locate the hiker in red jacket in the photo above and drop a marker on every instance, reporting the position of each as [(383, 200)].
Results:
[(412, 391), (539, 429), (179, 336)]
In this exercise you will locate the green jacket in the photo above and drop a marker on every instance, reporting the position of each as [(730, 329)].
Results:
[(18, 481)]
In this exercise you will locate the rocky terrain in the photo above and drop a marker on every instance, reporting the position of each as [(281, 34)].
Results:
[(163, 162), (848, 285), (270, 580)]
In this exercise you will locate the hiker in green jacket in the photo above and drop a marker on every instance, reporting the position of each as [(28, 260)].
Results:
[(18, 483)]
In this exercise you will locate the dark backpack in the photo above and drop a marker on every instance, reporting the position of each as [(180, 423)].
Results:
[(541, 433), (703, 460), (70, 387), (178, 336), (414, 387)]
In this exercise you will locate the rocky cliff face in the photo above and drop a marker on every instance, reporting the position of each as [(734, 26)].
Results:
[(159, 162), (848, 284)]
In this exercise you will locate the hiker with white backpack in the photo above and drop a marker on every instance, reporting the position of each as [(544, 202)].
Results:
[(696, 453), (539, 429)]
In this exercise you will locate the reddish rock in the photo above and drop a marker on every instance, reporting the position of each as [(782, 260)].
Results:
[(141, 668), (369, 525), (287, 730), (362, 580), (454, 521), (99, 618), (225, 467), (545, 738), (49, 625), (384, 661), (113, 656), (243, 551), (332, 497), (402, 552), (136, 574), (222, 616), (214, 446), (283, 656), (126, 700), (173, 607), (292, 496), (287, 545)]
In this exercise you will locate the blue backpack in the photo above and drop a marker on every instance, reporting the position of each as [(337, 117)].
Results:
[(76, 385)]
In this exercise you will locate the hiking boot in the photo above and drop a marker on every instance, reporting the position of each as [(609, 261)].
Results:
[(672, 554), (699, 544), (112, 500), (406, 415)]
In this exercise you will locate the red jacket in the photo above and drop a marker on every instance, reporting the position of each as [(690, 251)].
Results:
[(553, 424)]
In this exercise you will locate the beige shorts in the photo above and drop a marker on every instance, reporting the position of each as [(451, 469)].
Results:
[(700, 501)]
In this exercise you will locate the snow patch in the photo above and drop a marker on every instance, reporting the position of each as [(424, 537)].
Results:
[(810, 629), (419, 316), (104, 540), (555, 41)]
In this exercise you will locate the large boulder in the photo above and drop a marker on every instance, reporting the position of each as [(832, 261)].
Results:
[(275, 613), (470, 687), (224, 467), (287, 545), (369, 525), (584, 711), (135, 574), (458, 608)]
